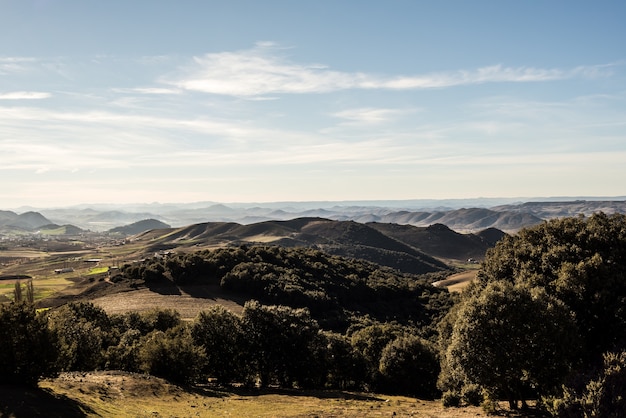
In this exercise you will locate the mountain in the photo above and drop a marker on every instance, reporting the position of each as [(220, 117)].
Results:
[(469, 215), (403, 247), (25, 221), (547, 210), (139, 227)]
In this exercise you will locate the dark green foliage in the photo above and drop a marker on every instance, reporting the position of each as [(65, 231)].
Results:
[(220, 333), (606, 396), (346, 369), (83, 333), (331, 287), (284, 346), (409, 365), (510, 340), (172, 355), (27, 349), (547, 304), (582, 262), (370, 342), (125, 355)]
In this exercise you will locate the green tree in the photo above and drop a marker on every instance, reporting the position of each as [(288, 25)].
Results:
[(219, 332), (172, 355), (582, 262), (83, 333), (346, 369), (409, 365), (283, 345), (27, 348), (512, 340), (369, 343)]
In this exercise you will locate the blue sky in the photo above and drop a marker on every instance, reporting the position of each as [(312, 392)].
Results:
[(257, 101)]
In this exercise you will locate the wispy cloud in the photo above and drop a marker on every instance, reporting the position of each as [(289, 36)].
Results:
[(24, 95), (149, 90), (260, 71), (10, 65), (369, 115)]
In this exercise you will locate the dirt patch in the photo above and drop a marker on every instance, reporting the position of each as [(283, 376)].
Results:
[(189, 301), (457, 282)]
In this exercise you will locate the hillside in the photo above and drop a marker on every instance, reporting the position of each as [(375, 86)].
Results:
[(26, 221), (333, 288), (139, 227), (403, 247), (440, 241)]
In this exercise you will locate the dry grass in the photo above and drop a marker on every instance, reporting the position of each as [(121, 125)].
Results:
[(188, 301), (108, 394), (457, 282)]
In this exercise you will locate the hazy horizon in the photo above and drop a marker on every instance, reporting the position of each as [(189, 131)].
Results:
[(278, 101)]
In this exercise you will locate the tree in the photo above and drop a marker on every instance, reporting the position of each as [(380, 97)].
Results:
[(172, 355), (27, 349), (283, 345), (346, 369), (83, 333), (582, 262), (409, 365), (369, 343), (512, 340), (219, 332)]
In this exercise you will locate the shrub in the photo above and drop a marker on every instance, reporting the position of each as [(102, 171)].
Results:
[(451, 399), (172, 355), (472, 394)]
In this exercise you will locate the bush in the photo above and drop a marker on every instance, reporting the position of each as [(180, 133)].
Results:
[(451, 399), (606, 396), (472, 394), (172, 355)]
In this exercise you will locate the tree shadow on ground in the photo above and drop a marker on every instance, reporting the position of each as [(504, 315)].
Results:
[(247, 391), (162, 286), (25, 402)]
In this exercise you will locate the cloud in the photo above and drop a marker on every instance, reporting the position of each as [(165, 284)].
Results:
[(149, 90), (260, 71), (10, 65), (24, 95), (370, 115)]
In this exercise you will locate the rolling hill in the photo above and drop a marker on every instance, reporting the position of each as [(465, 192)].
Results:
[(139, 227), (403, 247)]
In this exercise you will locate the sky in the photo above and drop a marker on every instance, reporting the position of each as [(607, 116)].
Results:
[(283, 100)]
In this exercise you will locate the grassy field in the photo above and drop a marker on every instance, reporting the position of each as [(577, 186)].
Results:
[(116, 394)]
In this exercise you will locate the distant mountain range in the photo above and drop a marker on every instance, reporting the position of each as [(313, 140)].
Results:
[(506, 215)]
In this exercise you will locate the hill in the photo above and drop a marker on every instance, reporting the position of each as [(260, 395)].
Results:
[(334, 289), (98, 394), (139, 227), (403, 247), (25, 221), (440, 241)]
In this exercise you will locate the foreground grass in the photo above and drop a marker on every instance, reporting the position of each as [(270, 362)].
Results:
[(117, 394)]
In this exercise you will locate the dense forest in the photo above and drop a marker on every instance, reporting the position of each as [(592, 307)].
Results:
[(545, 320)]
